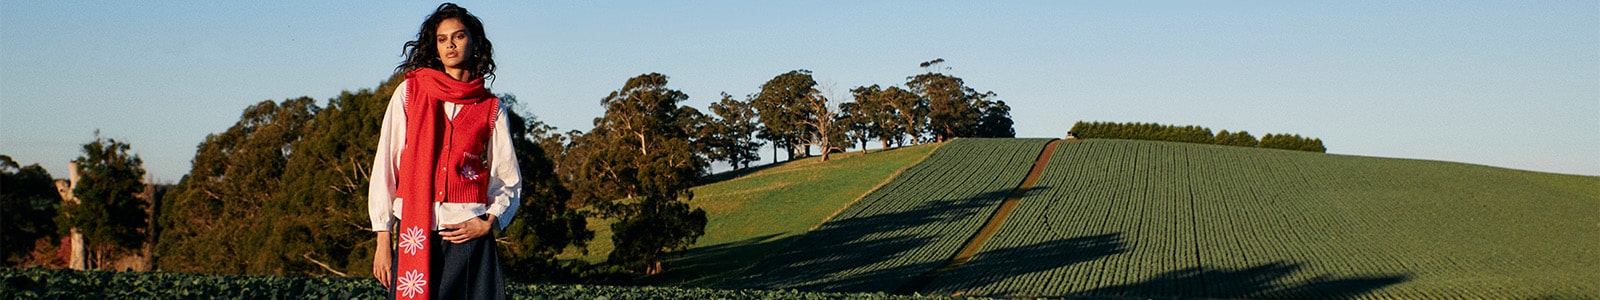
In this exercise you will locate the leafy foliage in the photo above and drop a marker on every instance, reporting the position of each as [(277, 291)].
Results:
[(319, 224), (782, 107), (213, 221), (28, 202), (956, 110), (1240, 139), (1192, 134), (109, 213), (996, 121), (638, 165), (36, 283), (951, 108), (855, 118), (735, 131), (545, 225), (283, 191), (1292, 142), (796, 114), (1142, 131), (893, 115)]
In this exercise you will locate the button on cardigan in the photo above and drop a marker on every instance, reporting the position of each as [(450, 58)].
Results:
[(505, 181)]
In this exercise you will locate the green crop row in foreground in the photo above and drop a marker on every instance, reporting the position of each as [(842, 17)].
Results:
[(36, 283)]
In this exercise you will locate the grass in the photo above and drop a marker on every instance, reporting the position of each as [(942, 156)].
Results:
[(763, 207)]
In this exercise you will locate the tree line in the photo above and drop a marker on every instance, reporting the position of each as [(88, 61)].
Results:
[(283, 190), (794, 113), (1193, 134)]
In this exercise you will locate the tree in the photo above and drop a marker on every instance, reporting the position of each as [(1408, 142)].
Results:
[(950, 112), (222, 217), (320, 223), (955, 110), (702, 131), (639, 163), (878, 118), (889, 115), (781, 107), (1241, 139), (738, 128), (544, 225), (910, 111), (996, 121), (1315, 145), (1292, 142), (109, 213), (821, 129), (28, 202), (854, 120)]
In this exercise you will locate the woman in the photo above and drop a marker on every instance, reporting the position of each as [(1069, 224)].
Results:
[(444, 166)]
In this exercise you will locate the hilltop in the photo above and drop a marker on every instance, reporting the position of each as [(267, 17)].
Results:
[(1160, 219)]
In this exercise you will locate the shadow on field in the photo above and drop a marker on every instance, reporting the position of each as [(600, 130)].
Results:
[(715, 264), (997, 265), (869, 252), (1264, 281), (731, 174)]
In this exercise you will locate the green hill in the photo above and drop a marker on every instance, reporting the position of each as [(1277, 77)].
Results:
[(764, 210), (1157, 219), (756, 210)]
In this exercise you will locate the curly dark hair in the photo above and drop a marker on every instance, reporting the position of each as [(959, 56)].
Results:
[(422, 53)]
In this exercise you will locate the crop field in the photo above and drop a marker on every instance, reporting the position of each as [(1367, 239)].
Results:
[(905, 228), (1158, 219)]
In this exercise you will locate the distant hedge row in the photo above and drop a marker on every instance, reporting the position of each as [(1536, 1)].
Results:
[(36, 283), (1193, 134)]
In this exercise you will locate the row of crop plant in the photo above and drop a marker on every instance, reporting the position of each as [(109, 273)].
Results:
[(908, 227), (1143, 219), (1124, 218)]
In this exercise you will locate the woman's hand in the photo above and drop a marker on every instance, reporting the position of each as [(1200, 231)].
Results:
[(382, 260), (465, 231)]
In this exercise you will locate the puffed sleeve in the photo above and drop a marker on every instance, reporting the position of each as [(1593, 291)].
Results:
[(505, 175), (391, 141)]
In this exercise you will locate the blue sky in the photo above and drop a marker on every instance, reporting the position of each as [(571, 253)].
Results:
[(1508, 83)]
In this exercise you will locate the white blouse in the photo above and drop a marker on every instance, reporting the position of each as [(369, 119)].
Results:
[(505, 181)]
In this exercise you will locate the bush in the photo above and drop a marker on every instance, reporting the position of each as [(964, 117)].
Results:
[(1193, 134), (1292, 142)]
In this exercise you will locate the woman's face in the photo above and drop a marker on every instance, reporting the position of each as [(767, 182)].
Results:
[(452, 41)]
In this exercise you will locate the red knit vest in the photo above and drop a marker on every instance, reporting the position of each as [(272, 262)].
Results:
[(444, 161), (464, 173)]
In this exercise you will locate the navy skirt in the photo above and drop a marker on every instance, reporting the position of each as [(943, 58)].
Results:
[(470, 270)]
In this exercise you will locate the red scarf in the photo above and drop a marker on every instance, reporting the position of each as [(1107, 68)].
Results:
[(424, 131)]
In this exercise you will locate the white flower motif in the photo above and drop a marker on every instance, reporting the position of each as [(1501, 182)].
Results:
[(411, 284), (412, 240)]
